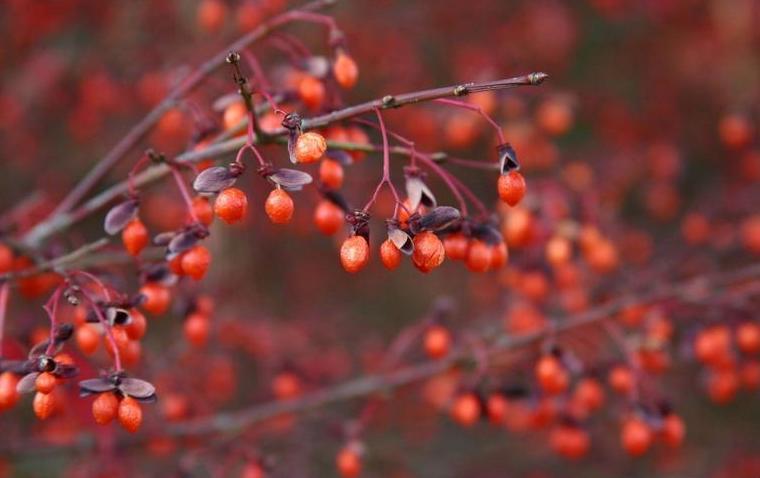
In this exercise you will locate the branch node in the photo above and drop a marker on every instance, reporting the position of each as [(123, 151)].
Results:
[(388, 100), (460, 90), (537, 78)]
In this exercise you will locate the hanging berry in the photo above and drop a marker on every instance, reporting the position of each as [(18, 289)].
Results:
[(354, 254), (279, 206), (429, 252), (105, 408), (511, 187), (310, 147), (135, 237), (328, 217), (195, 262), (390, 256), (130, 414), (231, 205), (345, 70)]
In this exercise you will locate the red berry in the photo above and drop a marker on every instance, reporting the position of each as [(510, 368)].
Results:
[(570, 441), (45, 382), (286, 386), (105, 408), (748, 337), (279, 206), (130, 414), (551, 375), (511, 187), (87, 338), (437, 342), (196, 329), (673, 430), (211, 15), (157, 298), (312, 92), (456, 246), (231, 205), (348, 462), (390, 256), (466, 409), (331, 173), (44, 405), (135, 237), (429, 252), (328, 217), (479, 256), (345, 70), (195, 262), (636, 437), (136, 328), (202, 210), (310, 147), (8, 394), (354, 254)]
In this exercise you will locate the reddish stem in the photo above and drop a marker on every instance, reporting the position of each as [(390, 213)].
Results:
[(477, 109), (184, 191), (4, 289), (386, 179), (51, 307)]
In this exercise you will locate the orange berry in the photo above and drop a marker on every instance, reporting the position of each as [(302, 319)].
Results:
[(130, 414), (252, 470), (8, 394), (6, 259), (331, 173), (479, 256), (195, 262), (202, 210), (348, 462), (511, 187), (357, 135), (310, 147), (673, 430), (735, 130), (231, 205), (429, 252), (722, 385), (279, 206), (497, 407), (234, 115), (175, 264), (713, 345), (636, 437), (196, 328), (87, 338), (286, 386), (750, 233), (456, 246), (466, 409), (621, 380), (558, 250), (45, 382), (695, 228), (328, 217), (211, 15), (750, 375), (174, 406), (312, 92), (131, 352), (589, 394), (748, 337), (105, 408), (499, 255), (44, 405), (570, 441), (437, 342), (555, 116), (136, 328), (390, 256), (135, 237), (354, 254), (345, 70), (157, 298), (551, 375)]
